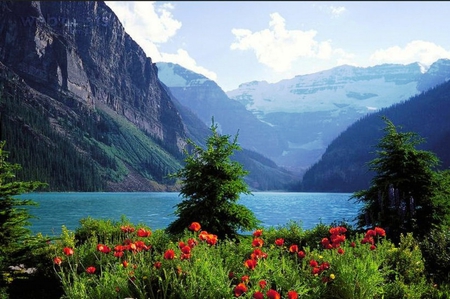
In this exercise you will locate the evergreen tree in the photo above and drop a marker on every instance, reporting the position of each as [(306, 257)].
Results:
[(14, 215), (211, 186), (403, 193)]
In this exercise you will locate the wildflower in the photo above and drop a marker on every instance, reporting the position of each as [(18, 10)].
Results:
[(258, 295), (380, 232), (230, 274), (293, 248), (211, 239), (57, 261), (245, 278), (118, 253), (279, 242), (292, 294), (195, 226), (181, 244), (313, 263), (258, 254), (157, 264), (143, 233), (127, 229), (332, 276), (250, 264), (240, 289), (340, 251), (272, 294), (90, 270), (203, 235), (68, 251), (315, 271), (262, 284), (373, 247), (169, 254), (125, 264), (257, 233), (301, 254), (103, 248), (186, 249), (257, 242), (192, 242), (353, 244)]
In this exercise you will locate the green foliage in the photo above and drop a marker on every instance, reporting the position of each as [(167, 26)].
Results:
[(211, 186), (436, 252), (401, 196)]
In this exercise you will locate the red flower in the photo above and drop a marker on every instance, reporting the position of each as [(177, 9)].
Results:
[(103, 248), (301, 254), (313, 263), (292, 295), (143, 233), (192, 242), (195, 226), (315, 270), (118, 253), (90, 270), (186, 249), (257, 233), (245, 278), (240, 289), (257, 242), (181, 244), (57, 261), (258, 295), (353, 244), (125, 264), (169, 254), (211, 239), (250, 264), (373, 247), (272, 294), (340, 251), (157, 264), (203, 235), (262, 284), (68, 251), (127, 229), (293, 248), (381, 232), (279, 242), (258, 254)]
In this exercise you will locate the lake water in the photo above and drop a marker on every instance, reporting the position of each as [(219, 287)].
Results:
[(155, 209)]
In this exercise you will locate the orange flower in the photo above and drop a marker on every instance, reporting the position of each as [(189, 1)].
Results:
[(90, 270), (272, 294), (257, 233), (195, 226), (293, 248), (203, 235), (127, 229), (169, 254), (211, 239), (240, 289), (250, 264), (143, 233), (68, 251), (292, 294), (57, 261)]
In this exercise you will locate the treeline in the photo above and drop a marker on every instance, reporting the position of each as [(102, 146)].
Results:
[(343, 167)]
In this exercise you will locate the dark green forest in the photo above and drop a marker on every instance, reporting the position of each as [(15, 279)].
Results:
[(343, 167)]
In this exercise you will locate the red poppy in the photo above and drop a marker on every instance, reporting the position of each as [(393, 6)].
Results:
[(293, 248), (103, 248), (118, 253), (57, 261), (90, 270), (68, 251), (279, 242), (240, 289), (373, 247), (258, 254), (143, 233), (315, 270), (186, 249), (258, 295), (195, 226), (127, 229), (340, 251), (257, 233), (203, 235), (353, 244), (381, 232), (245, 278), (301, 254), (272, 294), (262, 284), (257, 242), (292, 295), (211, 239), (250, 264), (313, 263), (125, 264), (169, 254), (157, 264), (192, 242)]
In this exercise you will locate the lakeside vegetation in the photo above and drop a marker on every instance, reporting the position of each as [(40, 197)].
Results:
[(400, 250)]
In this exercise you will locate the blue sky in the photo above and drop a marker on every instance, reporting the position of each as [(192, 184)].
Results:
[(234, 42)]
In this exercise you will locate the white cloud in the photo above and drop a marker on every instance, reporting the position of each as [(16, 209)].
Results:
[(150, 25), (416, 51), (337, 11), (279, 48)]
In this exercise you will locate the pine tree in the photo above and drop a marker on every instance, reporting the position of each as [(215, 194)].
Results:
[(402, 194), (14, 215), (211, 186)]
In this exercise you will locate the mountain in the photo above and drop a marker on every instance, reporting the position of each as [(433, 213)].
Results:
[(82, 107), (310, 111), (343, 166)]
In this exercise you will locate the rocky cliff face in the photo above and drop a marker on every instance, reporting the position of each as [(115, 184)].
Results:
[(79, 48)]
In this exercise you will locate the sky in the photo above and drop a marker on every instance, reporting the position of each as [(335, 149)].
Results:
[(235, 42)]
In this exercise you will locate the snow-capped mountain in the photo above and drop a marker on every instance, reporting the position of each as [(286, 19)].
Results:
[(293, 121)]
